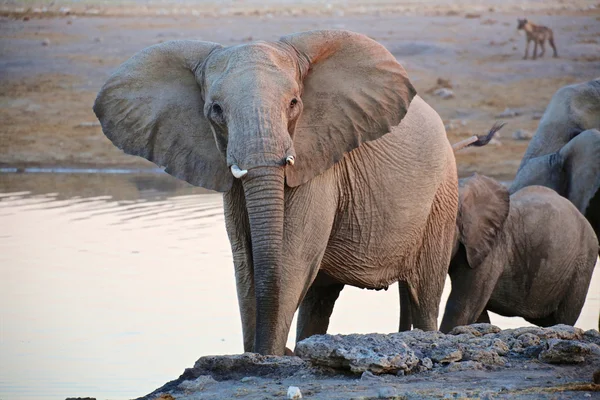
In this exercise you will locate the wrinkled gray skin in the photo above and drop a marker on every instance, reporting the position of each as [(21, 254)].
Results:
[(370, 197), (529, 255), (564, 153)]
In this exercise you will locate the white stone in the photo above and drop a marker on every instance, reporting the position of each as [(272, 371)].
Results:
[(294, 393)]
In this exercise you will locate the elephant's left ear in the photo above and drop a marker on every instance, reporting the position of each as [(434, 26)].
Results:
[(483, 208), (354, 91)]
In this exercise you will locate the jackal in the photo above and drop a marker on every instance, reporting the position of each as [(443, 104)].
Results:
[(539, 34)]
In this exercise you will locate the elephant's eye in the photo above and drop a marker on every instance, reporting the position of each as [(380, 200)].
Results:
[(216, 109), (293, 102)]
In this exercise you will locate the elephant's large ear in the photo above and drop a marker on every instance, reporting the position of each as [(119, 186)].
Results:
[(354, 91), (582, 169), (152, 107), (483, 208)]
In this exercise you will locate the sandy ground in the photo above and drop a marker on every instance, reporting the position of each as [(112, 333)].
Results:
[(52, 64)]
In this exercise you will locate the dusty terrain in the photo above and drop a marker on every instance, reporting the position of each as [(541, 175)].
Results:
[(56, 55)]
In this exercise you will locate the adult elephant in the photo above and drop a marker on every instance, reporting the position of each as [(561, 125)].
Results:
[(564, 153), (329, 162)]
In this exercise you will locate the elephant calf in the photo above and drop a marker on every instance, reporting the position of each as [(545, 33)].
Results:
[(530, 254)]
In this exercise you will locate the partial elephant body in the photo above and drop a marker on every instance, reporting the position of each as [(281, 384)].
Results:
[(535, 257), (359, 224), (572, 110), (564, 154), (337, 168)]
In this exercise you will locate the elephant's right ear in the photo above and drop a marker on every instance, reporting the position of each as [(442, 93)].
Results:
[(152, 107), (483, 208)]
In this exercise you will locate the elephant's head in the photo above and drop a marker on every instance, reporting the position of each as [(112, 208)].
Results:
[(573, 171), (269, 112), (198, 109), (482, 212)]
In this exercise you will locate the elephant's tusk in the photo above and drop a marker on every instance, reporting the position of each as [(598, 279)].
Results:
[(237, 172), (289, 160)]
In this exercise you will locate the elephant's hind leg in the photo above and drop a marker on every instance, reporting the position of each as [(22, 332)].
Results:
[(405, 307), (569, 309), (427, 283), (484, 318), (316, 308)]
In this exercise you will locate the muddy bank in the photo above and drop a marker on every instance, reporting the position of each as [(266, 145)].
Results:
[(477, 361)]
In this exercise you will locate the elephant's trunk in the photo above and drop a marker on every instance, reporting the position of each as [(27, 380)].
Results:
[(264, 192)]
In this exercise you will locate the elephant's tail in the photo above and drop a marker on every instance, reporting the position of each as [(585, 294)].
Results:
[(477, 140)]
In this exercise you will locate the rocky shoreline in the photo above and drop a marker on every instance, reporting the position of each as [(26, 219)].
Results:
[(476, 361)]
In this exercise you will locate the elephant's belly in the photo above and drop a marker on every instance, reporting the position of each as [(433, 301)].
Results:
[(376, 254), (523, 299)]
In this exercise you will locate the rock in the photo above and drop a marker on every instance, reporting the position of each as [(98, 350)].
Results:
[(566, 332), (239, 366), (468, 329), (522, 134), (444, 83), (528, 339), (197, 384), (247, 379), (480, 329), (387, 392), (369, 376), (98, 39), (509, 113), (445, 355), (472, 15), (46, 42), (560, 351), (592, 336), (427, 363), (358, 353), (294, 393), (444, 93), (484, 356), (464, 366)]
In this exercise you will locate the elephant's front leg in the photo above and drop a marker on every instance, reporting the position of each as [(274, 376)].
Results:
[(471, 290), (309, 214), (317, 306), (238, 230)]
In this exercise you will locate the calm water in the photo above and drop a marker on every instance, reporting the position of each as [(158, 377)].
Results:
[(111, 285)]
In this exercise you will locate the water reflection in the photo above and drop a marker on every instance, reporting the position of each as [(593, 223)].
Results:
[(113, 284)]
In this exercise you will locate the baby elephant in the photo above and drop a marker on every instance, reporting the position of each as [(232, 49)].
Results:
[(529, 255)]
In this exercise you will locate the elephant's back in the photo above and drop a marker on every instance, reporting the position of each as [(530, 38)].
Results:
[(538, 207)]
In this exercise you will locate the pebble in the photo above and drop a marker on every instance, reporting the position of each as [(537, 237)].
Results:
[(294, 393), (387, 392), (509, 113), (46, 42), (444, 93), (522, 134), (369, 376)]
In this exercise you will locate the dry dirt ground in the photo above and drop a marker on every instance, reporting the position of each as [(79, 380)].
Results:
[(54, 58)]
